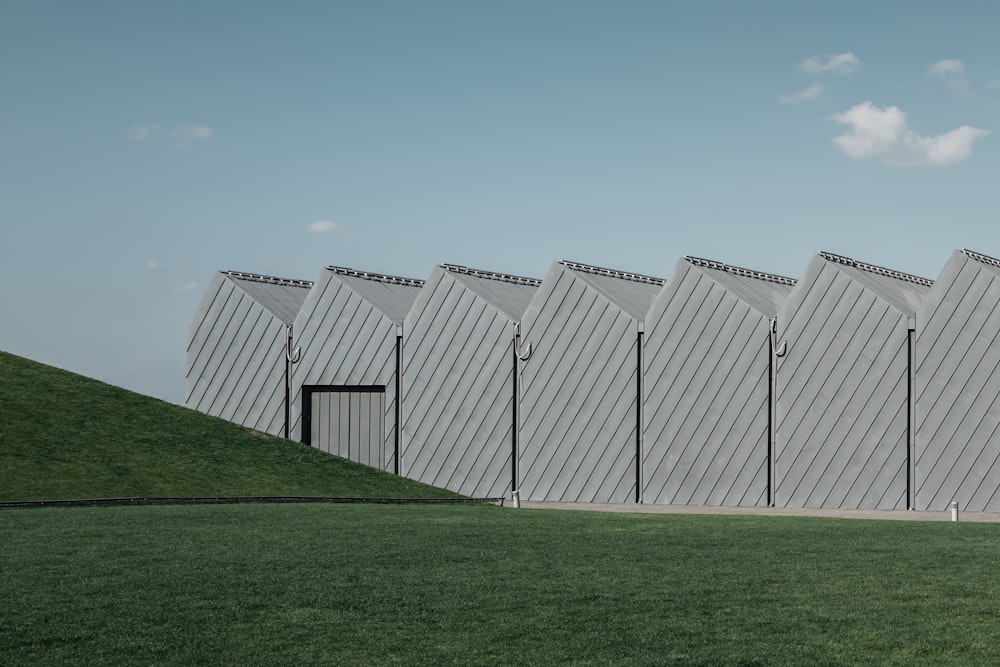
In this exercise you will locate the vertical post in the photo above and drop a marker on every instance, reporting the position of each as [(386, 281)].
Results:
[(638, 414), (911, 417), (516, 388), (398, 407), (775, 351), (288, 378)]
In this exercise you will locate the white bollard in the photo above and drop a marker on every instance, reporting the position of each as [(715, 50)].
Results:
[(516, 495), (954, 510)]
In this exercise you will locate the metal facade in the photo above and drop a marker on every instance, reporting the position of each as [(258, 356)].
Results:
[(458, 380), (843, 405), (958, 387), (707, 385), (236, 348), (579, 426), (348, 332)]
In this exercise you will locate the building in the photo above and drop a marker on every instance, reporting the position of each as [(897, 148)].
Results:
[(708, 390), (238, 352), (844, 399), (958, 387), (580, 424), (459, 373)]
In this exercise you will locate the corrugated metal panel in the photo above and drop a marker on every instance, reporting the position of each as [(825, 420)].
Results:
[(236, 353), (349, 424), (842, 406), (579, 403), (707, 385), (457, 383), (958, 387), (345, 341)]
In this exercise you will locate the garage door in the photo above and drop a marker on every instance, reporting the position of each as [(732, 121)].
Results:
[(347, 421)]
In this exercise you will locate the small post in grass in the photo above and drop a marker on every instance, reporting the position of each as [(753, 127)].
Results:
[(954, 510)]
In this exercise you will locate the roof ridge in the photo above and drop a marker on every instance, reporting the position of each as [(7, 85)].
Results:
[(985, 259), (378, 277), (740, 271), (271, 280), (492, 275), (613, 273), (880, 270)]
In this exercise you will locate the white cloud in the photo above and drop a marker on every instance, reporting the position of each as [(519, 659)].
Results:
[(841, 63), (187, 132), (142, 132), (152, 265), (885, 134), (325, 227), (187, 287), (809, 93), (949, 72)]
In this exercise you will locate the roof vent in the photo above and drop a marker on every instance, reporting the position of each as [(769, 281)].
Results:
[(490, 275), (271, 280), (612, 273), (743, 273), (880, 270), (378, 277)]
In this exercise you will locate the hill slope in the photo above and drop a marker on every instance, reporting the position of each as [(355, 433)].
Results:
[(66, 436)]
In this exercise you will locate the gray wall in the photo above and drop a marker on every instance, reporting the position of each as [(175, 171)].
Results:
[(579, 399), (958, 388), (457, 390), (842, 407), (707, 387), (347, 340), (236, 351)]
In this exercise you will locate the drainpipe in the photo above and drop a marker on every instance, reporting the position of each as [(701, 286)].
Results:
[(520, 356), (638, 413), (911, 418), (291, 357), (398, 408), (772, 402)]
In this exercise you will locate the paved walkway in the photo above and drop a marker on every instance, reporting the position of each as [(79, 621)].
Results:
[(896, 515)]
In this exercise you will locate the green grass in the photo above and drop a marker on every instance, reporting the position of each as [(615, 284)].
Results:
[(66, 436), (467, 585)]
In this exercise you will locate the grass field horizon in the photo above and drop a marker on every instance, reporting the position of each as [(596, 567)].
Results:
[(65, 436), (280, 584)]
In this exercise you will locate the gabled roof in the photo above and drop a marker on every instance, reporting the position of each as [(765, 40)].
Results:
[(282, 297), (902, 290), (510, 294), (992, 262), (391, 295), (763, 291), (632, 292)]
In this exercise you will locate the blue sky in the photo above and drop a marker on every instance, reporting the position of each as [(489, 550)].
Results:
[(148, 144)]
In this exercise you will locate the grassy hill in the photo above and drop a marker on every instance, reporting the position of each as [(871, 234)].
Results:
[(66, 436)]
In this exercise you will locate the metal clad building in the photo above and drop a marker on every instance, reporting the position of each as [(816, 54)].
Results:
[(345, 380), (236, 364), (844, 399), (458, 380), (958, 387), (707, 385), (580, 420)]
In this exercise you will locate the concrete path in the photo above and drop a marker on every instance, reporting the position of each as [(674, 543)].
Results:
[(892, 515)]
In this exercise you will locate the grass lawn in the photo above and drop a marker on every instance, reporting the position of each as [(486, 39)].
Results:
[(66, 436), (466, 585)]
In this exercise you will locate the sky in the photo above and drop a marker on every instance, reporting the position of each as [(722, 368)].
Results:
[(146, 145)]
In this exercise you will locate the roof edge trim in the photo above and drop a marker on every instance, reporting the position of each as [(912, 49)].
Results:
[(880, 270), (271, 280), (985, 259), (613, 273), (740, 271), (378, 277), (491, 275)]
